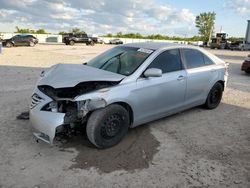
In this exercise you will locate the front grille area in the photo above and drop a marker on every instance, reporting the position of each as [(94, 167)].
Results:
[(35, 100)]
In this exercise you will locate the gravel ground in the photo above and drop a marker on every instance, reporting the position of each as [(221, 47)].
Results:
[(195, 148)]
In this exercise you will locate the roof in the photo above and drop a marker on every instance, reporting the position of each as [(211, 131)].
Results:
[(153, 45)]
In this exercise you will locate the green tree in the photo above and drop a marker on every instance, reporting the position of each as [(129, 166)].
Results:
[(77, 30), (154, 36), (109, 35), (205, 23), (62, 33), (234, 39), (18, 30), (41, 31), (119, 34)]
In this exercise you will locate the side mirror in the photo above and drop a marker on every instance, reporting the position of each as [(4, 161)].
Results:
[(153, 72)]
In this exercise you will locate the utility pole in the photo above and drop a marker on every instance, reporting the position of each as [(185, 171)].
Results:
[(247, 37)]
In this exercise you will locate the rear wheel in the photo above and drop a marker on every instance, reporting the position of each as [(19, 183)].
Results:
[(107, 126), (9, 44), (247, 71), (71, 42), (214, 96)]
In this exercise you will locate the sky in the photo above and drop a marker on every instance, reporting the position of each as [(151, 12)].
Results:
[(166, 17)]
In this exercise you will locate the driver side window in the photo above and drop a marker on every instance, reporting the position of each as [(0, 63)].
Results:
[(168, 61)]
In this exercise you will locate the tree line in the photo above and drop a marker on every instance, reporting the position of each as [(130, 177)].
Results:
[(31, 31), (204, 22), (152, 37)]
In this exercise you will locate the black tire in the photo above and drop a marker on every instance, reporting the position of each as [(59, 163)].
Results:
[(107, 126), (214, 96), (9, 44), (71, 42)]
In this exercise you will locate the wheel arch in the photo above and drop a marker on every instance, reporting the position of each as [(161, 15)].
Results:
[(222, 83), (128, 108), (11, 42)]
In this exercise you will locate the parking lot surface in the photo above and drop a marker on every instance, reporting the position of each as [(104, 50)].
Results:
[(194, 148)]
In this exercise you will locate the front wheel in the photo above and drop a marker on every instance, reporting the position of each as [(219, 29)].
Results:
[(214, 96), (32, 44), (107, 126), (9, 44), (71, 42)]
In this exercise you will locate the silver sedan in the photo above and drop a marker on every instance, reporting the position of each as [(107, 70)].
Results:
[(124, 87)]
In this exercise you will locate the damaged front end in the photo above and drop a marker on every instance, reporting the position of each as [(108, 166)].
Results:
[(56, 110)]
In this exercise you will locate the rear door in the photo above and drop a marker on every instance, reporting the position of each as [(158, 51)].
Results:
[(201, 72), (159, 96), (26, 40)]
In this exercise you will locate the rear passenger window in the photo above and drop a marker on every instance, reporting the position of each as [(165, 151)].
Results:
[(193, 58), (167, 61)]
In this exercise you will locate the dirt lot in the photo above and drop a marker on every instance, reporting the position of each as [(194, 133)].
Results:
[(195, 148)]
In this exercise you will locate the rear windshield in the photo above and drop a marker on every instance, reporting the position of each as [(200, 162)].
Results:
[(122, 60)]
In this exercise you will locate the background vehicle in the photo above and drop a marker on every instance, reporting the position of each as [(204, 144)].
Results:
[(100, 41), (240, 45), (236, 45), (124, 87), (71, 39), (115, 41), (21, 40), (246, 65), (220, 41)]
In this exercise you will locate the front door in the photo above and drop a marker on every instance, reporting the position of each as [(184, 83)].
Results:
[(160, 96)]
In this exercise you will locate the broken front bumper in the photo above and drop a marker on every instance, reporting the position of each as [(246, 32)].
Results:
[(44, 122)]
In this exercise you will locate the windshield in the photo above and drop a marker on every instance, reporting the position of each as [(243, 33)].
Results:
[(122, 60)]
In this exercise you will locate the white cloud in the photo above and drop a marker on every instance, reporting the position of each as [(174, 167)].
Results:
[(99, 16), (4, 12), (241, 7)]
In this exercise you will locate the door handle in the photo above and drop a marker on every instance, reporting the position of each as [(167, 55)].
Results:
[(181, 78)]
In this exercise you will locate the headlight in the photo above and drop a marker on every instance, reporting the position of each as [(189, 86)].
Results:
[(53, 106)]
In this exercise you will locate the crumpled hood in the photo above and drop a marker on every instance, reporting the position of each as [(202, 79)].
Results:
[(69, 75)]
